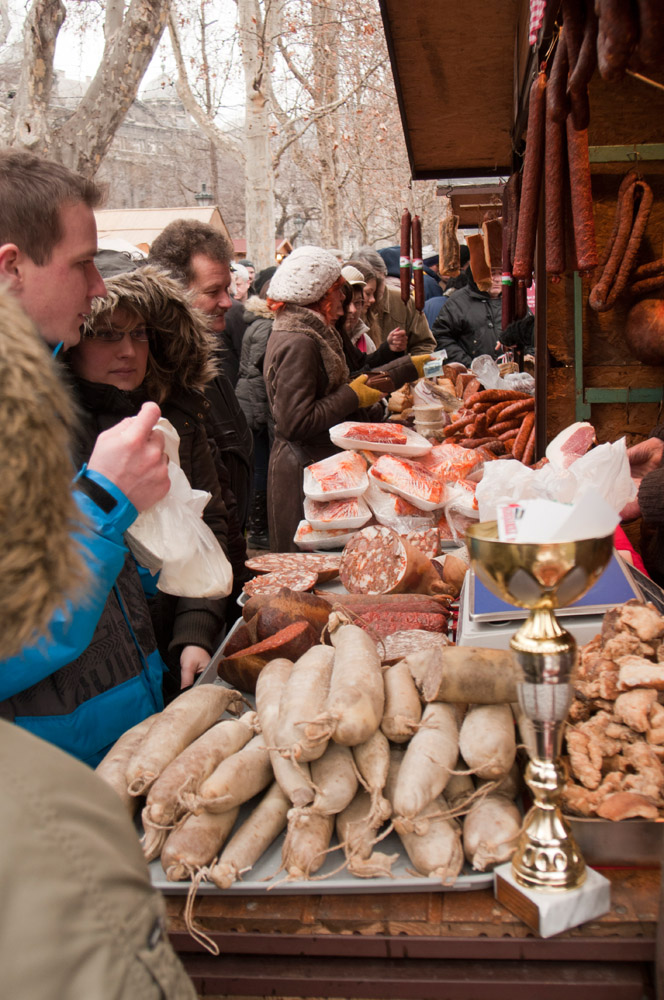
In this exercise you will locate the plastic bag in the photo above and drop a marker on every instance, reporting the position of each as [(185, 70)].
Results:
[(488, 372), (171, 539), (461, 508), (604, 469)]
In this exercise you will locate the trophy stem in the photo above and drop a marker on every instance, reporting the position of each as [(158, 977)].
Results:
[(547, 856)]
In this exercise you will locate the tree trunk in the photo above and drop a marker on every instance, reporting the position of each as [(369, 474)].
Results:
[(324, 20), (30, 110), (255, 42), (81, 143)]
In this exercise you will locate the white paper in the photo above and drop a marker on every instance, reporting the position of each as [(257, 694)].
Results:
[(538, 521)]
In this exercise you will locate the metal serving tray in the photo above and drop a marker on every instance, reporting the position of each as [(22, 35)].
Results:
[(628, 843), (265, 876)]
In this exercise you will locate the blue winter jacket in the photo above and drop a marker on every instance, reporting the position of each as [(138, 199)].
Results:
[(98, 672)]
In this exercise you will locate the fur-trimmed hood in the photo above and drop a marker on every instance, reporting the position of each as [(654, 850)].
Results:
[(182, 346), (255, 307), (39, 560)]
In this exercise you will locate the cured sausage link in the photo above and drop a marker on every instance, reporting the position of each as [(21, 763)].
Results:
[(530, 185), (617, 33), (582, 201), (624, 242), (418, 273), (404, 261)]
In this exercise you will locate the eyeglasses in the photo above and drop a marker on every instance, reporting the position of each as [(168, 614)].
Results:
[(110, 336)]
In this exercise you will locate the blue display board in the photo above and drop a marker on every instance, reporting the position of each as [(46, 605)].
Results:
[(615, 586)]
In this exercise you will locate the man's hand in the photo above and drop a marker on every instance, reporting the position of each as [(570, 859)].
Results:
[(631, 511), (193, 660), (645, 457), (397, 339), (131, 455)]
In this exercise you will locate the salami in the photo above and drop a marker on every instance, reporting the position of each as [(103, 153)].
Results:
[(427, 540), (530, 187), (582, 199), (378, 561), (632, 211), (404, 262), (271, 583), (383, 622), (273, 562), (418, 273)]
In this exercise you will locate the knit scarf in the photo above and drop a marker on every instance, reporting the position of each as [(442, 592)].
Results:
[(299, 319)]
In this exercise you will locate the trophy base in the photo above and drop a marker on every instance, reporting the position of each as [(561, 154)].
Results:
[(550, 913)]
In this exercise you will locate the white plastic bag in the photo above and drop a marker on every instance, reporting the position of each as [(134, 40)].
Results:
[(488, 372), (604, 469), (171, 539)]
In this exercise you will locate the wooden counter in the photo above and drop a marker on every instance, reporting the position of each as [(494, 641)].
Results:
[(430, 946)]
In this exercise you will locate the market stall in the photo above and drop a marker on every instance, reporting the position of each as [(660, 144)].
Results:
[(238, 827)]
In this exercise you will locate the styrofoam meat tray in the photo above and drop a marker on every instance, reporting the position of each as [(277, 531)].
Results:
[(415, 444)]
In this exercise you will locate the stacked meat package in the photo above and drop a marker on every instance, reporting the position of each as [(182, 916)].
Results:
[(389, 475)]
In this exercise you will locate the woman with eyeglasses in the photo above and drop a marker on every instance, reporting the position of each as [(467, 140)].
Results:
[(145, 341)]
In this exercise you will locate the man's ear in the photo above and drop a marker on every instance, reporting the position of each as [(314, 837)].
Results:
[(10, 258)]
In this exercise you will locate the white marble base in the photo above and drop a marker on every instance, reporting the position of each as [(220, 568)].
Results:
[(550, 913)]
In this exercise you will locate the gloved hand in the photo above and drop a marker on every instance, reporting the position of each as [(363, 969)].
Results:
[(419, 360), (366, 396)]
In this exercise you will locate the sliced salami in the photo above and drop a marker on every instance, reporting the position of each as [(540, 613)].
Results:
[(374, 562), (271, 583), (326, 565), (378, 561), (394, 647), (427, 540)]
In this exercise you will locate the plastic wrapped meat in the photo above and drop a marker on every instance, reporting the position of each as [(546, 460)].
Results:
[(410, 480), (451, 461), (337, 477), (395, 512), (377, 433), (309, 538), (349, 513)]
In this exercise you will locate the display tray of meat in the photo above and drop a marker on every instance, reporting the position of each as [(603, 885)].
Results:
[(393, 439)]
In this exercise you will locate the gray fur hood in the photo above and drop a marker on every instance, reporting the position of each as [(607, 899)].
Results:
[(39, 560), (182, 346)]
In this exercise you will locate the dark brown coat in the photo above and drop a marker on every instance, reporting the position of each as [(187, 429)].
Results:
[(303, 408)]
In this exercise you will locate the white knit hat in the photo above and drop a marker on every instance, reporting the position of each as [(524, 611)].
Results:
[(304, 276), (352, 275)]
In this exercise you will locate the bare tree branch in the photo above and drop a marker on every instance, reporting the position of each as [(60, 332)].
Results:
[(204, 121)]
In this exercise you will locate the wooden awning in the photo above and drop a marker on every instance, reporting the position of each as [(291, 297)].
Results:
[(456, 68)]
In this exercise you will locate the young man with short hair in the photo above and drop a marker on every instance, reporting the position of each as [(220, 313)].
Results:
[(54, 688)]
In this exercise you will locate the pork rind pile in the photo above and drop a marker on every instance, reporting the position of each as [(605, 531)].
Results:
[(615, 734)]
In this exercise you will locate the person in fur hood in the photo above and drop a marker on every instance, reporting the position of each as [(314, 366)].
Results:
[(145, 341), (74, 880)]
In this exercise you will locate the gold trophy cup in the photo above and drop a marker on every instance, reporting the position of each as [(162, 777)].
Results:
[(542, 577)]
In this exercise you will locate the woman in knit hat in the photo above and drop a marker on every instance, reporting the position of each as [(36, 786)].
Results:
[(308, 382)]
